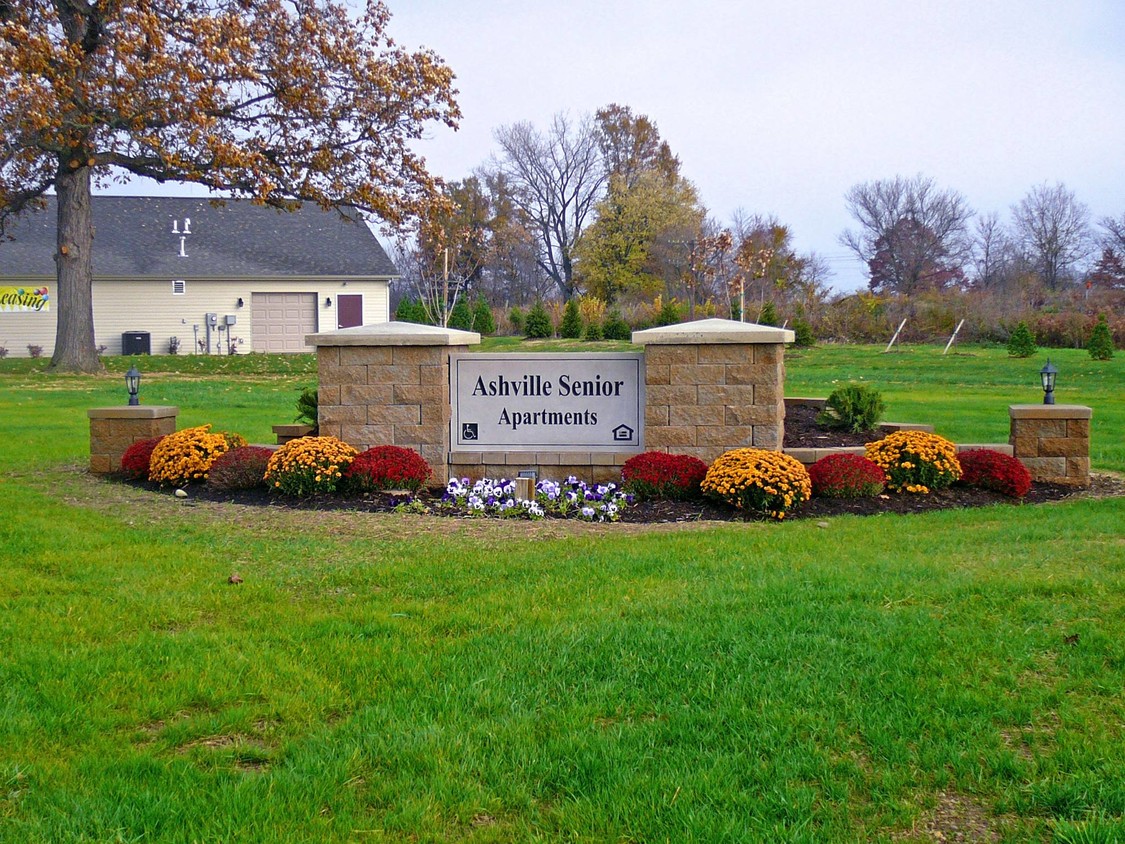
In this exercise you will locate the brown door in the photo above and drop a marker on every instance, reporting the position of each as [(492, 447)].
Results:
[(349, 310)]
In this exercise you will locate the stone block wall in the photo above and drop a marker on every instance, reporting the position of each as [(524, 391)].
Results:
[(114, 429), (714, 386), (389, 385), (1052, 441)]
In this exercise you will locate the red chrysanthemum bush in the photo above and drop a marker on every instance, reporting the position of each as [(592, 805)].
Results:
[(137, 457), (656, 475), (243, 467), (990, 469), (847, 476), (387, 467)]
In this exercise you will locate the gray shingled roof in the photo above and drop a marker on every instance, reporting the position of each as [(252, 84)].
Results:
[(134, 239)]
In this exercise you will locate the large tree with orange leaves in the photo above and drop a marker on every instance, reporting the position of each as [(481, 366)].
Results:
[(280, 101)]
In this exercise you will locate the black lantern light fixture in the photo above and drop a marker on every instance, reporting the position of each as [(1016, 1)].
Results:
[(240, 302), (1047, 374), (133, 385), (328, 301)]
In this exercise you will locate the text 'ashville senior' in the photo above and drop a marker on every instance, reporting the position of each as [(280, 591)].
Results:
[(536, 386)]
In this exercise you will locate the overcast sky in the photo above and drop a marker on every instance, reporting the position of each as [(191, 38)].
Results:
[(779, 107)]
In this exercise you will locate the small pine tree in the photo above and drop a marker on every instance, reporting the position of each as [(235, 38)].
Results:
[(516, 318), (767, 315), (803, 333), (594, 331), (571, 328), (1021, 344), (669, 312), (1100, 344), (615, 327), (538, 323), (482, 318), (461, 317), (408, 311)]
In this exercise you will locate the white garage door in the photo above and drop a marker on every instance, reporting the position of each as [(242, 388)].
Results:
[(280, 321)]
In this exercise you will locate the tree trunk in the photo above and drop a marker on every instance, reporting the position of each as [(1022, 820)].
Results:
[(75, 350)]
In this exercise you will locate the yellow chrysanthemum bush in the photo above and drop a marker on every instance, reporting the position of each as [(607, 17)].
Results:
[(309, 465), (915, 461), (187, 455), (767, 482)]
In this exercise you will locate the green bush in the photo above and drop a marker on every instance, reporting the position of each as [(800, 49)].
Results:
[(1021, 344), (308, 406), (411, 310), (1100, 344), (594, 331), (538, 325), (615, 327), (767, 315), (670, 312), (516, 318), (461, 317), (853, 407), (482, 318), (571, 328), (804, 337)]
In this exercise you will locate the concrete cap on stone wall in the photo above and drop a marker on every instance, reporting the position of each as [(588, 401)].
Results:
[(394, 334), (137, 411), (1049, 411), (712, 331)]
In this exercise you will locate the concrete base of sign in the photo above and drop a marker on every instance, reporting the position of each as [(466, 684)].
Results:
[(551, 465)]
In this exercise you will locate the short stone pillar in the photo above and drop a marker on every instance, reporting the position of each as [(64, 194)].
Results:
[(1052, 441), (114, 429), (714, 385), (388, 384)]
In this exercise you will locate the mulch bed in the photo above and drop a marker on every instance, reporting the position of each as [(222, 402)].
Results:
[(801, 431)]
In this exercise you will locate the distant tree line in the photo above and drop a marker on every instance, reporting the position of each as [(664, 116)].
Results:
[(596, 209)]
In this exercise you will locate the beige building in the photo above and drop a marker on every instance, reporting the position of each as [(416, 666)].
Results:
[(178, 271)]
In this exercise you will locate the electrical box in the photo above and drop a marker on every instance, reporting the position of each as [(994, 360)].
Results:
[(212, 319), (230, 319)]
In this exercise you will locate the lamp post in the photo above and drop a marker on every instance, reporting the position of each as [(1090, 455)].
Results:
[(1047, 375), (133, 385)]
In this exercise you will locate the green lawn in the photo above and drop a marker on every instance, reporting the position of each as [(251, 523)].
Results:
[(402, 678)]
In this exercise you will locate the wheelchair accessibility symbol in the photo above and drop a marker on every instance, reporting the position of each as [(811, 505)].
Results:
[(469, 431)]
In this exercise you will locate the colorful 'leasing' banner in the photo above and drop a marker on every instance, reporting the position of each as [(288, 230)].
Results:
[(24, 299)]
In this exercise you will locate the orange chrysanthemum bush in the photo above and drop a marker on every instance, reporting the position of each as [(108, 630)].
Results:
[(309, 465), (915, 461), (137, 458), (759, 481), (188, 455)]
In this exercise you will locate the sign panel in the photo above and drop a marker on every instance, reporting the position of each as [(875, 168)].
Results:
[(25, 299), (550, 402)]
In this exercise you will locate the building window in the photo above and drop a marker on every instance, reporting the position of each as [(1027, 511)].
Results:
[(179, 287)]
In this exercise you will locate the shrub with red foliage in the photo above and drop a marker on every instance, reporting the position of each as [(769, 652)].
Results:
[(847, 476), (240, 468), (990, 469), (387, 467), (655, 475), (136, 459)]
